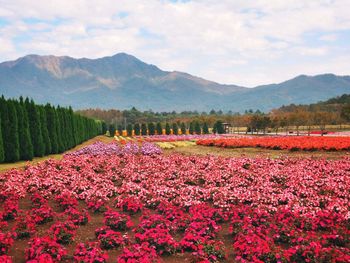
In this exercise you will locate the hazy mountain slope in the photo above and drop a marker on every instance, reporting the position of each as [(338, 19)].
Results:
[(122, 81)]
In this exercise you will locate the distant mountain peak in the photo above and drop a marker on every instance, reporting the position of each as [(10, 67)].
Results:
[(122, 81)]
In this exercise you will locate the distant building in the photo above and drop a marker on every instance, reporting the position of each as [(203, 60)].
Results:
[(226, 127)]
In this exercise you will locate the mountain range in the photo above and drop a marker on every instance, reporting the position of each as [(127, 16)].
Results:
[(123, 81)]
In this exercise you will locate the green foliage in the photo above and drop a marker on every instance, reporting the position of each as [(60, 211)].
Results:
[(218, 127), (167, 128), (26, 150), (191, 129), (52, 127), (183, 128), (35, 128), (143, 129), (111, 129), (2, 153), (44, 130), (151, 128), (104, 127), (120, 129), (197, 127), (205, 128), (59, 132), (129, 129), (11, 136), (159, 128), (28, 130), (175, 128), (137, 129)]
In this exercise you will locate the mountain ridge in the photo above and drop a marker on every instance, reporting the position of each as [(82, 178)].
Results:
[(122, 81)]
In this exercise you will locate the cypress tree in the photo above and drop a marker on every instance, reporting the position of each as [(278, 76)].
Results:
[(191, 129), (129, 129), (11, 136), (167, 129), (175, 128), (137, 129), (159, 128), (59, 131), (35, 128), (183, 128), (104, 127), (120, 129), (218, 127), (44, 130), (151, 128), (28, 130), (4, 123), (143, 129), (111, 130), (51, 126), (197, 127), (62, 129), (2, 154), (69, 127), (205, 128), (26, 151)]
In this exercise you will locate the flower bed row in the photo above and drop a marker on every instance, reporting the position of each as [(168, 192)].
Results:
[(100, 148), (176, 138), (306, 143), (175, 144), (208, 209)]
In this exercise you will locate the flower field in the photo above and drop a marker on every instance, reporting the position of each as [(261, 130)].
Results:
[(177, 138), (305, 143), (131, 203)]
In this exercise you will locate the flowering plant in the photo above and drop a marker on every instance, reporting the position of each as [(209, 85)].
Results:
[(5, 259), (117, 221), (44, 247), (159, 238), (38, 200), (10, 209), (63, 233), (6, 241), (24, 227), (97, 206), (66, 200), (77, 217), (130, 205), (111, 239), (89, 252), (42, 214), (143, 253)]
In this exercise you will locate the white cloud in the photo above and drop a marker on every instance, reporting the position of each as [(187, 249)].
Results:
[(329, 37), (307, 51), (241, 42)]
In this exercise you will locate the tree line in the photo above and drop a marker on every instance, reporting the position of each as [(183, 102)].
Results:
[(29, 130), (152, 128), (335, 111)]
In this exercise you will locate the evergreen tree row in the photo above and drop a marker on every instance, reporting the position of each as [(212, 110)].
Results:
[(141, 129), (29, 130)]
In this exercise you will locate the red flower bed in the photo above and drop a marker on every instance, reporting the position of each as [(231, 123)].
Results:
[(117, 221), (44, 250), (188, 208), (305, 143), (89, 253)]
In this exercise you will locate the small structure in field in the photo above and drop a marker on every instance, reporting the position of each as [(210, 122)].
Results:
[(226, 126)]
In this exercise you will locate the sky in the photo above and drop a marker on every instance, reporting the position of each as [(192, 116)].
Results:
[(242, 42)]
